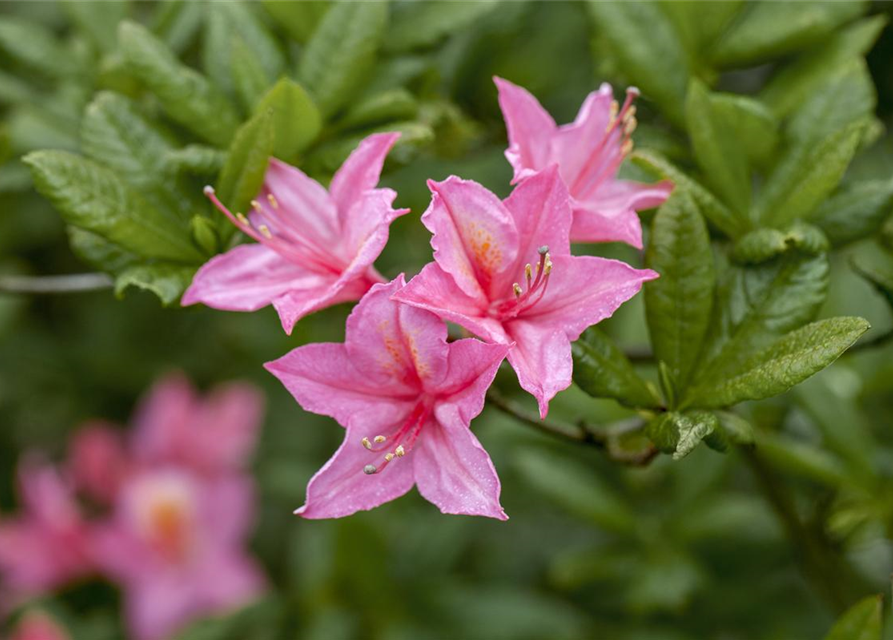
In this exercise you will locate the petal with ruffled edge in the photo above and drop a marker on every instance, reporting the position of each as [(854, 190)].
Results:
[(541, 358), (529, 127), (342, 488), (367, 233), (296, 304), (359, 173), (324, 380), (474, 235), (472, 367), (610, 215)]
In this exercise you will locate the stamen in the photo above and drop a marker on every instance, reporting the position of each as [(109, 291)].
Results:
[(366, 443), (378, 439), (208, 190), (517, 289), (543, 250), (241, 218), (626, 148), (528, 273), (256, 206), (273, 202), (370, 469), (400, 451), (388, 457), (265, 230)]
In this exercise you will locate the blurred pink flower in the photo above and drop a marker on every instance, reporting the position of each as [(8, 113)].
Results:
[(38, 626), (406, 398), (315, 248), (588, 153), (483, 279), (46, 545)]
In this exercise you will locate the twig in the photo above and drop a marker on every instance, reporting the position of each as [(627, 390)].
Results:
[(55, 284)]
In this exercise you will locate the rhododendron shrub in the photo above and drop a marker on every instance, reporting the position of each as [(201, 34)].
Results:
[(571, 268)]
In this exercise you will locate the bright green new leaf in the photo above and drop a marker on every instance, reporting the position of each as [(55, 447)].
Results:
[(717, 149), (712, 209), (204, 234), (763, 244), (96, 199), (299, 19), (855, 210), (603, 371), (377, 108), (770, 29), (35, 47), (421, 24), (341, 52), (167, 281), (786, 363), (678, 304), (296, 120), (243, 174), (755, 128), (862, 621), (184, 94), (697, 426)]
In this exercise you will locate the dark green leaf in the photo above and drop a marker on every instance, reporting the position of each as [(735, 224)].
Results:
[(764, 244), (701, 23), (99, 252), (679, 302), (421, 24), (341, 52), (786, 363), (862, 621), (737, 430), (167, 281), (296, 120), (204, 234), (177, 22), (603, 371), (377, 108), (877, 267), (855, 211), (755, 127)]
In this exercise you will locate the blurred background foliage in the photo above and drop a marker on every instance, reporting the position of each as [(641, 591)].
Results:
[(766, 544)]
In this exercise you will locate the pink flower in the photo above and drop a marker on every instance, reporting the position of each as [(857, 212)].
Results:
[(588, 153), (406, 398), (176, 544), (483, 279), (46, 546), (38, 626), (315, 248)]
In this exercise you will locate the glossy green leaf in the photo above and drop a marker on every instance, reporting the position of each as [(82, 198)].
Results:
[(763, 244), (204, 234), (855, 210), (717, 148), (421, 24), (299, 19), (184, 94), (755, 127), (296, 120), (678, 303), (876, 266), (167, 281), (862, 621), (603, 371), (341, 52), (99, 252), (794, 358), (769, 29), (648, 50), (678, 434)]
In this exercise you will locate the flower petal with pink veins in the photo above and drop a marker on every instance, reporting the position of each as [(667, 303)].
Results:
[(529, 126), (474, 235), (359, 173), (342, 488), (367, 234), (542, 360), (472, 366), (304, 208), (323, 379)]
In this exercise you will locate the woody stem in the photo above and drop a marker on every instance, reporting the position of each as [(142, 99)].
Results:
[(74, 283)]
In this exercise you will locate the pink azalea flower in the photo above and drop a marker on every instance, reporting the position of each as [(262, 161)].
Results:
[(176, 544), (588, 152), (406, 398), (483, 276), (38, 626), (315, 248), (47, 545)]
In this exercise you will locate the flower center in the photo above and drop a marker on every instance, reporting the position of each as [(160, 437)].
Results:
[(523, 299), (164, 508), (400, 442), (266, 226)]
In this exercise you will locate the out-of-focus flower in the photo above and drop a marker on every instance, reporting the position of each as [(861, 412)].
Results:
[(46, 546), (36, 625), (588, 152), (315, 248), (406, 398), (483, 276)]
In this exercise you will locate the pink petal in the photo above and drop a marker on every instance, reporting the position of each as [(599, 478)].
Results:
[(159, 605), (584, 150), (298, 303), (227, 581), (226, 427), (359, 173), (475, 239), (163, 420), (227, 509), (454, 472), (323, 379), (342, 488), (395, 345), (98, 461), (367, 233), (38, 626), (541, 358), (45, 495), (305, 209), (610, 214), (616, 195), (529, 128), (472, 366)]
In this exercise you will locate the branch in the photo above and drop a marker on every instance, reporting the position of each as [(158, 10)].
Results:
[(55, 284)]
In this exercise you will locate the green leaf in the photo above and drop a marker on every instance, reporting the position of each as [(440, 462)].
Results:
[(862, 621), (737, 430), (195, 159), (186, 96), (177, 22), (99, 252), (98, 20), (766, 30), (757, 305), (876, 267), (763, 244), (786, 363), (855, 210), (422, 24), (296, 120), (754, 126), (167, 281), (204, 234), (679, 302), (716, 148), (678, 434), (248, 78), (377, 108), (341, 52), (299, 19), (603, 371), (648, 50), (96, 199), (35, 47), (805, 178), (712, 209), (243, 174), (701, 23), (801, 459)]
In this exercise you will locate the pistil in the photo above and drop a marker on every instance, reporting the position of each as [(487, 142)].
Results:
[(404, 439)]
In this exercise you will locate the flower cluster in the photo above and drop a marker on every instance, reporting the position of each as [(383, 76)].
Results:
[(502, 270), (170, 509)]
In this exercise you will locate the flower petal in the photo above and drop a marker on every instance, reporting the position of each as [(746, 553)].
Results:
[(342, 488), (475, 239), (610, 214), (472, 367), (367, 234), (541, 358), (163, 420), (304, 209), (529, 128), (359, 173), (225, 428), (98, 461), (298, 303)]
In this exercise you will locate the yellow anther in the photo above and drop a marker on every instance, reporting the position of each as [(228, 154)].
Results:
[(630, 126), (627, 147), (242, 219), (265, 230), (389, 456), (547, 268), (400, 451), (378, 439), (366, 443), (629, 114), (528, 272), (256, 205), (614, 109), (273, 202), (517, 289)]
